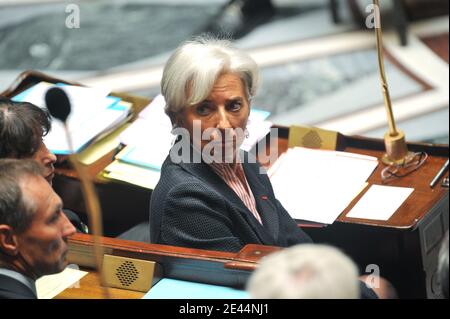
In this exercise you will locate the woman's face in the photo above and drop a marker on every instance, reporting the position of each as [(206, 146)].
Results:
[(221, 117)]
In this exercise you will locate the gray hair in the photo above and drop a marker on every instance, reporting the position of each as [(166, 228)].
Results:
[(305, 271), (15, 210), (191, 71)]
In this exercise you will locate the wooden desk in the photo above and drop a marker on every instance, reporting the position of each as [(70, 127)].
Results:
[(404, 248), (196, 265), (89, 288)]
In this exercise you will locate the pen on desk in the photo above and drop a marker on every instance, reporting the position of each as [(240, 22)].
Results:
[(439, 174)]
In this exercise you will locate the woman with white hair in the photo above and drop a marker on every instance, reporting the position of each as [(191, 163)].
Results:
[(211, 195)]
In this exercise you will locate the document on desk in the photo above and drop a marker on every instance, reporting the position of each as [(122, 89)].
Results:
[(380, 202), (50, 286), (317, 185), (168, 288), (93, 113), (132, 174), (103, 146), (147, 144)]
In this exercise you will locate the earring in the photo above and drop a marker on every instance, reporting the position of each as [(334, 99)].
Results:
[(246, 133)]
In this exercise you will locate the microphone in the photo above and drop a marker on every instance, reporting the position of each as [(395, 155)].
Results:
[(394, 140), (58, 104)]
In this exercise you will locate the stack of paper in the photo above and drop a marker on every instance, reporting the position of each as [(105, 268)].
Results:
[(149, 139), (50, 286), (380, 202), (317, 185), (93, 114)]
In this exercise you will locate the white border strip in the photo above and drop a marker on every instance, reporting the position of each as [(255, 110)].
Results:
[(302, 50), (374, 118)]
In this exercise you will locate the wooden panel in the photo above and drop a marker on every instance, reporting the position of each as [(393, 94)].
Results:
[(213, 267)]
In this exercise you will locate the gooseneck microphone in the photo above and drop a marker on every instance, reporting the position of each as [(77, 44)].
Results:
[(58, 104)]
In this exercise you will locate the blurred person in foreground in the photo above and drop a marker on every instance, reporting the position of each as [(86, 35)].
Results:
[(314, 271), (305, 272)]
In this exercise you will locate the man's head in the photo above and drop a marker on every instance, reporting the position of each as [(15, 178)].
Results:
[(305, 272), (22, 127), (33, 228)]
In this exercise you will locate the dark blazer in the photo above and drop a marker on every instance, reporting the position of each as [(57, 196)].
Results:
[(193, 207), (13, 289)]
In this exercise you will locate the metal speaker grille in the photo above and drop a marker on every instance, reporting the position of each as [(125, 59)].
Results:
[(312, 140), (127, 273)]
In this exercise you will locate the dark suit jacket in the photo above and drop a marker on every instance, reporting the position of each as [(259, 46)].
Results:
[(193, 207), (13, 289)]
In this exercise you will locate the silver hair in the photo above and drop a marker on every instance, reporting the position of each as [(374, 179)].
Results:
[(305, 272), (191, 71)]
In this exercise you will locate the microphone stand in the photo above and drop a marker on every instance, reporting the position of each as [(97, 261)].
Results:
[(93, 209), (394, 140)]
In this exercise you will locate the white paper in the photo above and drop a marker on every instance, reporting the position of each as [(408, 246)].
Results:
[(92, 113), (50, 286), (144, 132), (82, 132), (154, 112), (380, 202), (317, 185), (133, 174)]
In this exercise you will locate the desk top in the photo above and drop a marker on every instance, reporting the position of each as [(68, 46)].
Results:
[(89, 288), (409, 213), (421, 200)]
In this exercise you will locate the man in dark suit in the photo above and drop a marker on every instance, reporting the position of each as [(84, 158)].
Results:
[(33, 229)]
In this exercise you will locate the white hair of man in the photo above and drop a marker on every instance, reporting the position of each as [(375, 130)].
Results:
[(191, 71), (306, 271)]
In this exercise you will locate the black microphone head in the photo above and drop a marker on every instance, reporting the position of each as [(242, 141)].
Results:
[(58, 103)]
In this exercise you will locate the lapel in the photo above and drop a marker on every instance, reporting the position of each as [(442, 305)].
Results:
[(266, 208), (15, 288), (205, 173)]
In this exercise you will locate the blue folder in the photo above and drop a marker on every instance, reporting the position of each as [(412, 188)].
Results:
[(168, 288)]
